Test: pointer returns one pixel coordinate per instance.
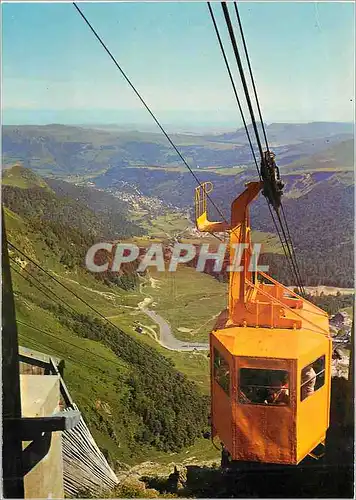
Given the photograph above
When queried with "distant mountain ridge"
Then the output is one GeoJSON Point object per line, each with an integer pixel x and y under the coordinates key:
{"type": "Point", "coordinates": [72, 152]}
{"type": "Point", "coordinates": [287, 133]}
{"type": "Point", "coordinates": [339, 156]}
{"type": "Point", "coordinates": [318, 173]}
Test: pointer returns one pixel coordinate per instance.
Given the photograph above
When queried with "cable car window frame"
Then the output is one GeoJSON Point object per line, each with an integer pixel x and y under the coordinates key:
{"type": "Point", "coordinates": [224, 364]}
{"type": "Point", "coordinates": [320, 374]}
{"type": "Point", "coordinates": [243, 399]}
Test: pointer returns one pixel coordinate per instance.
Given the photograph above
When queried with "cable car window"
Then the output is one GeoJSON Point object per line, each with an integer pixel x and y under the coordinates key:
{"type": "Point", "coordinates": [264, 387]}
{"type": "Point", "coordinates": [312, 378]}
{"type": "Point", "coordinates": [221, 371]}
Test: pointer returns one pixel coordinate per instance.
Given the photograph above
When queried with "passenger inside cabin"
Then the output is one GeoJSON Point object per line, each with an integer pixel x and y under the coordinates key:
{"type": "Point", "coordinates": [253, 394]}
{"type": "Point", "coordinates": [263, 386]}
{"type": "Point", "coordinates": [279, 392]}
{"type": "Point", "coordinates": [308, 381]}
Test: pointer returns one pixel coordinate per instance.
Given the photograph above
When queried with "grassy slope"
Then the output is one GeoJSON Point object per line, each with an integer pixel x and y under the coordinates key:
{"type": "Point", "coordinates": [18, 177]}
{"type": "Point", "coordinates": [164, 225]}
{"type": "Point", "coordinates": [94, 382]}
{"type": "Point", "coordinates": [89, 377]}
{"type": "Point", "coordinates": [96, 377]}
{"type": "Point", "coordinates": [338, 158]}
{"type": "Point", "coordinates": [348, 310]}
{"type": "Point", "coordinates": [188, 300]}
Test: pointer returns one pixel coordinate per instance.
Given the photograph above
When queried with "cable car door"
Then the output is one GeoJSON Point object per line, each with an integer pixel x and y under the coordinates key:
{"type": "Point", "coordinates": [264, 410]}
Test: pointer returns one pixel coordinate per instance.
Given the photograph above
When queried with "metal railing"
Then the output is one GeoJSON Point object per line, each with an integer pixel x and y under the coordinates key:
{"type": "Point", "coordinates": [201, 193]}
{"type": "Point", "coordinates": [275, 301]}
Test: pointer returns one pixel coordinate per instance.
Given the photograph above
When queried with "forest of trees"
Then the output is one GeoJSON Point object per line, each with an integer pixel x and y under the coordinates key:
{"type": "Point", "coordinates": [170, 408]}
{"type": "Point", "coordinates": [72, 207]}
{"type": "Point", "coordinates": [157, 405]}
{"type": "Point", "coordinates": [68, 226]}
{"type": "Point", "coordinates": [111, 212]}
{"type": "Point", "coordinates": [332, 303]}
{"type": "Point", "coordinates": [325, 270]}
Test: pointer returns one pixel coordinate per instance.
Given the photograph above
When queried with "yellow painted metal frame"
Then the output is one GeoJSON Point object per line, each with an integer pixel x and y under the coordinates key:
{"type": "Point", "coordinates": [266, 326]}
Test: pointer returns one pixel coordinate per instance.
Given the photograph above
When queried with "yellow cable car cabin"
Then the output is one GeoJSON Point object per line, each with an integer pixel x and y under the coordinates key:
{"type": "Point", "coordinates": [270, 357]}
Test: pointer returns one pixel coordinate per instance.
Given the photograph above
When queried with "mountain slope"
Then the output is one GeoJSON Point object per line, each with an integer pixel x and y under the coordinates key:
{"type": "Point", "coordinates": [17, 176]}
{"type": "Point", "coordinates": [339, 157]}
{"type": "Point", "coordinates": [66, 208]}
{"type": "Point", "coordinates": [317, 180]}
{"type": "Point", "coordinates": [289, 133]}
{"type": "Point", "coordinates": [134, 400]}
{"type": "Point", "coordinates": [113, 215]}
{"type": "Point", "coordinates": [321, 223]}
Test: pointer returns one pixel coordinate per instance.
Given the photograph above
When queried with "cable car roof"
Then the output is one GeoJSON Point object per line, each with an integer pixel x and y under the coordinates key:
{"type": "Point", "coordinates": [271, 343]}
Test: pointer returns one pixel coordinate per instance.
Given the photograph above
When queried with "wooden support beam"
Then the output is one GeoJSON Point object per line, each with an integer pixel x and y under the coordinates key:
{"type": "Point", "coordinates": [30, 428]}
{"type": "Point", "coordinates": [41, 360]}
{"type": "Point", "coordinates": [63, 388]}
{"type": "Point", "coordinates": [36, 358]}
{"type": "Point", "coordinates": [13, 486]}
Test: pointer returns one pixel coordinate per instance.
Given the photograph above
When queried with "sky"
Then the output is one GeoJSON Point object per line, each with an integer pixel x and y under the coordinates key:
{"type": "Point", "coordinates": [55, 71]}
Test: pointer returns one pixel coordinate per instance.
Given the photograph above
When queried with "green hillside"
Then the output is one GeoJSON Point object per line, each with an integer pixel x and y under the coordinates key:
{"type": "Point", "coordinates": [140, 400]}
{"type": "Point", "coordinates": [115, 378]}
{"type": "Point", "coordinates": [189, 300]}
{"type": "Point", "coordinates": [339, 157]}
{"type": "Point", "coordinates": [65, 211]}
{"type": "Point", "coordinates": [17, 176]}
{"type": "Point", "coordinates": [114, 373]}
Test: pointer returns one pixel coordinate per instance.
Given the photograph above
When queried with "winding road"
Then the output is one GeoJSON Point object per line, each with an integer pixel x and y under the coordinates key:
{"type": "Point", "coordinates": [166, 337]}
